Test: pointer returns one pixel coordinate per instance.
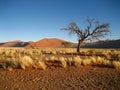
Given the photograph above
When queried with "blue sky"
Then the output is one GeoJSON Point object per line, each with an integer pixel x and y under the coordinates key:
{"type": "Point", "coordinates": [32, 20]}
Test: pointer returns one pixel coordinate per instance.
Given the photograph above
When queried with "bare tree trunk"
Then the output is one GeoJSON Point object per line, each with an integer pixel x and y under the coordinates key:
{"type": "Point", "coordinates": [78, 47]}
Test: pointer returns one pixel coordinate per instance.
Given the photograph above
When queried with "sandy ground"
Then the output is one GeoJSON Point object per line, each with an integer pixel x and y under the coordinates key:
{"type": "Point", "coordinates": [70, 78]}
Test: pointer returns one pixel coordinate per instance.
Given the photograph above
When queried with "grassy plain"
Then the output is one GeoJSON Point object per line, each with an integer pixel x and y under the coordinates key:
{"type": "Point", "coordinates": [64, 57]}
{"type": "Point", "coordinates": [59, 69]}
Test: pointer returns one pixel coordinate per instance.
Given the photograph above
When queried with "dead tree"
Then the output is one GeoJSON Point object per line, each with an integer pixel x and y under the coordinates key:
{"type": "Point", "coordinates": [93, 31]}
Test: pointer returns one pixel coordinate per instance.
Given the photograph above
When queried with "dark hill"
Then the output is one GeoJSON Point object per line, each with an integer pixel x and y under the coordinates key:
{"type": "Point", "coordinates": [103, 44]}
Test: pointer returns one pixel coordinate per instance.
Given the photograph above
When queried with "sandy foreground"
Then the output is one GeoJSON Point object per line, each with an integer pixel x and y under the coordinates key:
{"type": "Point", "coordinates": [69, 78]}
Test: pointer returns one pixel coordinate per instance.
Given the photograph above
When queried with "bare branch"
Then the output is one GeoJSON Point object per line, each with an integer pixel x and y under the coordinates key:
{"type": "Point", "coordinates": [100, 30]}
{"type": "Point", "coordinates": [74, 29]}
{"type": "Point", "coordinates": [93, 31]}
{"type": "Point", "coordinates": [88, 27]}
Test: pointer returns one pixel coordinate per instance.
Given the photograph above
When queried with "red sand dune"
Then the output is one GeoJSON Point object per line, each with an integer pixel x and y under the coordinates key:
{"type": "Point", "coordinates": [47, 42]}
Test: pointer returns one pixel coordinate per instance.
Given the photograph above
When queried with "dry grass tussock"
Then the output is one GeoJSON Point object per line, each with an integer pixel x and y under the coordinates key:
{"type": "Point", "coordinates": [86, 62]}
{"type": "Point", "coordinates": [63, 62]}
{"type": "Point", "coordinates": [40, 65]}
{"type": "Point", "coordinates": [116, 64]}
{"type": "Point", "coordinates": [25, 62]}
{"type": "Point", "coordinates": [77, 61]}
{"type": "Point", "coordinates": [37, 58]}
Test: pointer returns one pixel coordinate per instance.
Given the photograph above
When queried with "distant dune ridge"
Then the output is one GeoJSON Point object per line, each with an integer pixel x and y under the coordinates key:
{"type": "Point", "coordinates": [16, 43]}
{"type": "Point", "coordinates": [47, 42]}
{"type": "Point", "coordinates": [55, 42]}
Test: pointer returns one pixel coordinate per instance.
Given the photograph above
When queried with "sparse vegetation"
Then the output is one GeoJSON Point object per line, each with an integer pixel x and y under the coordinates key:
{"type": "Point", "coordinates": [37, 58]}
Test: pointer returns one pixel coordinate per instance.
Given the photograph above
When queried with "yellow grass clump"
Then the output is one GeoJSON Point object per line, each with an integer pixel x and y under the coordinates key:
{"type": "Point", "coordinates": [26, 61]}
{"type": "Point", "coordinates": [100, 60]}
{"type": "Point", "coordinates": [63, 62]}
{"type": "Point", "coordinates": [40, 65]}
{"type": "Point", "coordinates": [52, 58]}
{"type": "Point", "coordinates": [93, 60]}
{"type": "Point", "coordinates": [86, 62]}
{"type": "Point", "coordinates": [13, 63]}
{"type": "Point", "coordinates": [116, 64]}
{"type": "Point", "coordinates": [107, 63]}
{"type": "Point", "coordinates": [69, 61]}
{"type": "Point", "coordinates": [77, 61]}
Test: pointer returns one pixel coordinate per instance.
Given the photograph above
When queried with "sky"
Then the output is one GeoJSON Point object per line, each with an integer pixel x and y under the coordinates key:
{"type": "Point", "coordinates": [32, 20]}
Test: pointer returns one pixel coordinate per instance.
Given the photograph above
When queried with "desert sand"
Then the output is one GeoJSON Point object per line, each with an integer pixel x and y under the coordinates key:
{"type": "Point", "coordinates": [58, 78]}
